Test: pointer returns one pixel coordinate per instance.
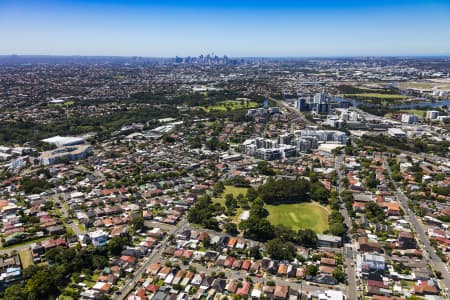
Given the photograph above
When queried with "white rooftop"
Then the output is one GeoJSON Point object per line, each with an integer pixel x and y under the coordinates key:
{"type": "Point", "coordinates": [64, 140]}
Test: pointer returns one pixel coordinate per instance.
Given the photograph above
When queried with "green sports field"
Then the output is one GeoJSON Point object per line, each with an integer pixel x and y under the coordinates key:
{"type": "Point", "coordinates": [231, 105]}
{"type": "Point", "coordinates": [376, 96]}
{"type": "Point", "coordinates": [300, 216]}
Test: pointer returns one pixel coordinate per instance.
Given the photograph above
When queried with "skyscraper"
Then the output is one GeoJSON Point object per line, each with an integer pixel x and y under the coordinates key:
{"type": "Point", "coordinates": [301, 104]}
{"type": "Point", "coordinates": [319, 98]}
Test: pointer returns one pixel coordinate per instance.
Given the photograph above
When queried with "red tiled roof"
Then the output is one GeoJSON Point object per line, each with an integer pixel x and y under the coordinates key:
{"type": "Point", "coordinates": [128, 259]}
{"type": "Point", "coordinates": [152, 288]}
{"type": "Point", "coordinates": [376, 283]}
{"type": "Point", "coordinates": [243, 291]}
{"type": "Point", "coordinates": [442, 240]}
{"type": "Point", "coordinates": [425, 288]}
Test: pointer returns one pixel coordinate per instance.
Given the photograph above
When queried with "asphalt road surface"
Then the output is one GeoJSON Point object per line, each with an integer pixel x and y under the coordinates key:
{"type": "Point", "coordinates": [419, 228]}
{"type": "Point", "coordinates": [153, 257]}
{"type": "Point", "coordinates": [349, 261]}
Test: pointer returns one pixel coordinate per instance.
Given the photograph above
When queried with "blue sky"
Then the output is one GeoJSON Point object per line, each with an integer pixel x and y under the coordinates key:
{"type": "Point", "coordinates": [235, 28]}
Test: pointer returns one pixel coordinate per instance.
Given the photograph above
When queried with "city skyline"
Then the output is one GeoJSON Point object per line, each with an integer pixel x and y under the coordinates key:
{"type": "Point", "coordinates": [244, 29]}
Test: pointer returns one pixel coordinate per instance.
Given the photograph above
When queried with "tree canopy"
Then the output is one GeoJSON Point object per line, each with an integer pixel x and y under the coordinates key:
{"type": "Point", "coordinates": [280, 249]}
{"type": "Point", "coordinates": [204, 211]}
{"type": "Point", "coordinates": [284, 191]}
{"type": "Point", "coordinates": [307, 238]}
{"type": "Point", "coordinates": [47, 282]}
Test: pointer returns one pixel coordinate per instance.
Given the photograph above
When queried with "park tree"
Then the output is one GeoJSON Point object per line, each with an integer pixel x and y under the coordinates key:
{"type": "Point", "coordinates": [211, 223]}
{"type": "Point", "coordinates": [257, 228]}
{"type": "Point", "coordinates": [252, 194]}
{"type": "Point", "coordinates": [337, 229]}
{"type": "Point", "coordinates": [204, 211]}
{"type": "Point", "coordinates": [242, 201]}
{"type": "Point", "coordinates": [319, 193]}
{"type": "Point", "coordinates": [258, 210]}
{"type": "Point", "coordinates": [218, 188]}
{"type": "Point", "coordinates": [280, 249]}
{"type": "Point", "coordinates": [230, 202]}
{"type": "Point", "coordinates": [336, 223]}
{"type": "Point", "coordinates": [307, 238]}
{"type": "Point", "coordinates": [44, 284]}
{"type": "Point", "coordinates": [231, 228]}
{"type": "Point", "coordinates": [284, 191]}
{"type": "Point", "coordinates": [285, 233]}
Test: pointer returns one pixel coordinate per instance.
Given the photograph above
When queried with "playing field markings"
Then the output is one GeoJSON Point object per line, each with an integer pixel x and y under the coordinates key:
{"type": "Point", "coordinates": [293, 217]}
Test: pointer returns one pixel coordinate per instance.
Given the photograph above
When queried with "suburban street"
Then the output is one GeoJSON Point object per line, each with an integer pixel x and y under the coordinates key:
{"type": "Point", "coordinates": [306, 287]}
{"type": "Point", "coordinates": [349, 249]}
{"type": "Point", "coordinates": [64, 214]}
{"type": "Point", "coordinates": [420, 230]}
{"type": "Point", "coordinates": [153, 257]}
{"type": "Point", "coordinates": [61, 200]}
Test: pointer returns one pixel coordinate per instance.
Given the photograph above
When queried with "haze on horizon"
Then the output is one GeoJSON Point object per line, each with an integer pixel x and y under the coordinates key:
{"type": "Point", "coordinates": [235, 28]}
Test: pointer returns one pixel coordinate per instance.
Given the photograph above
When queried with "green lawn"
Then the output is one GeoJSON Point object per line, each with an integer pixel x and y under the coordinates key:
{"type": "Point", "coordinates": [66, 104]}
{"type": "Point", "coordinates": [231, 105]}
{"type": "Point", "coordinates": [90, 280]}
{"type": "Point", "coordinates": [426, 85]}
{"type": "Point", "coordinates": [407, 284]}
{"type": "Point", "coordinates": [26, 258]}
{"type": "Point", "coordinates": [81, 227]}
{"type": "Point", "coordinates": [300, 216]}
{"type": "Point", "coordinates": [235, 191]}
{"type": "Point", "coordinates": [56, 212]}
{"type": "Point", "coordinates": [25, 243]}
{"type": "Point", "coordinates": [445, 86]}
{"type": "Point", "coordinates": [417, 85]}
{"type": "Point", "coordinates": [69, 229]}
{"type": "Point", "coordinates": [419, 113]}
{"type": "Point", "coordinates": [376, 96]}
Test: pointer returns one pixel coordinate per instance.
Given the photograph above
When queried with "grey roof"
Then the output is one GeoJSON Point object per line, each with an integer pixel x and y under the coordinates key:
{"type": "Point", "coordinates": [329, 238]}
